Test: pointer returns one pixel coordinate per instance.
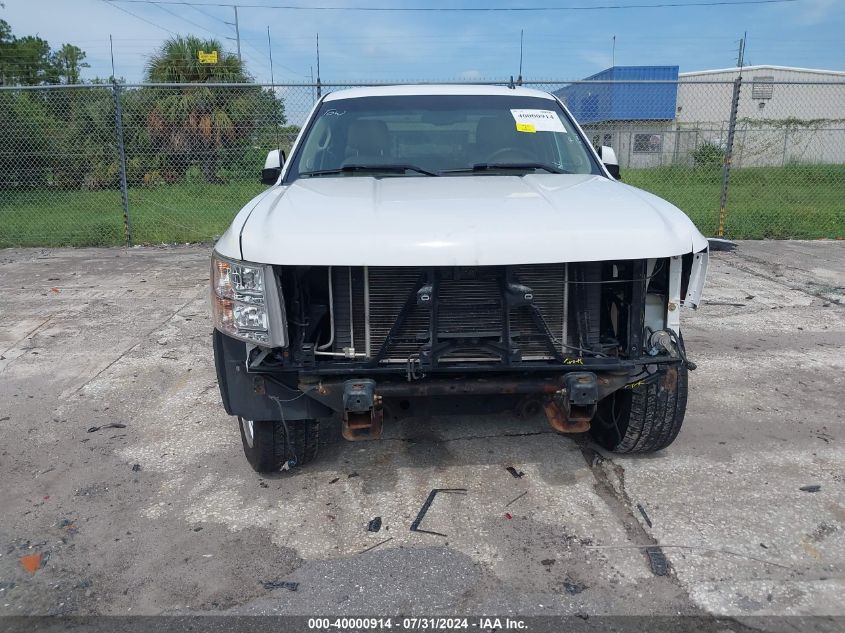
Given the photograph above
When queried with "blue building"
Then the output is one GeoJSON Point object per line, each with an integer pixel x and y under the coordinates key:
{"type": "Point", "coordinates": [630, 108]}
{"type": "Point", "coordinates": [603, 99]}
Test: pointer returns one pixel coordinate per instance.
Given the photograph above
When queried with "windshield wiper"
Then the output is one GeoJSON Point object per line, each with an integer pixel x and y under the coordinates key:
{"type": "Point", "coordinates": [400, 168]}
{"type": "Point", "coordinates": [517, 166]}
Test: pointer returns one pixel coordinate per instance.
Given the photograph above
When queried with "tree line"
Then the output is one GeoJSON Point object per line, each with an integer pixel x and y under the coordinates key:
{"type": "Point", "coordinates": [29, 60]}
{"type": "Point", "coordinates": [67, 138]}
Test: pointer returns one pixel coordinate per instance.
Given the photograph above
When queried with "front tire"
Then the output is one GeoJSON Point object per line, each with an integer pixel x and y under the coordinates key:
{"type": "Point", "coordinates": [646, 418]}
{"type": "Point", "coordinates": [267, 446]}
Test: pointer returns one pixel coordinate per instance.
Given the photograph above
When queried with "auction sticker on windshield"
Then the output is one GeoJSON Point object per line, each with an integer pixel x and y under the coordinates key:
{"type": "Point", "coordinates": [537, 121]}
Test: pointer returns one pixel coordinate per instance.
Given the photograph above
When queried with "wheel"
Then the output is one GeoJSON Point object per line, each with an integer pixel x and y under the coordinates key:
{"type": "Point", "coordinates": [646, 418]}
{"type": "Point", "coordinates": [265, 444]}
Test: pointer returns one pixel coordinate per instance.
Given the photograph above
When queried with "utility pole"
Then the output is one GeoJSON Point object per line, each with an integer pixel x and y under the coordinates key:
{"type": "Point", "coordinates": [613, 53]}
{"type": "Point", "coordinates": [729, 148]}
{"type": "Point", "coordinates": [519, 79]}
{"type": "Point", "coordinates": [236, 24]}
{"type": "Point", "coordinates": [238, 32]}
{"type": "Point", "coordinates": [319, 88]}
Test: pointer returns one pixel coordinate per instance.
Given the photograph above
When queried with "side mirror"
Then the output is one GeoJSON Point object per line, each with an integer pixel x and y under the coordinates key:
{"type": "Point", "coordinates": [609, 160]}
{"type": "Point", "coordinates": [272, 167]}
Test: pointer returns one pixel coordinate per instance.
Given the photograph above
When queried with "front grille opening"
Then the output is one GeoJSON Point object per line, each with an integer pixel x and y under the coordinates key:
{"type": "Point", "coordinates": [373, 315]}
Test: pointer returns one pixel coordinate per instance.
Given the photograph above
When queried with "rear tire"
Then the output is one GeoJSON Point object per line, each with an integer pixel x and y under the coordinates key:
{"type": "Point", "coordinates": [646, 418]}
{"type": "Point", "coordinates": [267, 447]}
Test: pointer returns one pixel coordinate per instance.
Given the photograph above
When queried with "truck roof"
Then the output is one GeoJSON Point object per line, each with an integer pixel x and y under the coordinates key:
{"type": "Point", "coordinates": [436, 89]}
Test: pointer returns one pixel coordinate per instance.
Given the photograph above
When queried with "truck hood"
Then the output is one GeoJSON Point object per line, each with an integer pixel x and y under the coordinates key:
{"type": "Point", "coordinates": [458, 221]}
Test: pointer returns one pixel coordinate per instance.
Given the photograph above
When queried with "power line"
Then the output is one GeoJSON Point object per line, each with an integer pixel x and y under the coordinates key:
{"type": "Point", "coordinates": [660, 5]}
{"type": "Point", "coordinates": [263, 63]}
{"type": "Point", "coordinates": [163, 28]}
{"type": "Point", "coordinates": [259, 60]}
{"type": "Point", "coordinates": [206, 14]}
{"type": "Point", "coordinates": [176, 15]}
{"type": "Point", "coordinates": [134, 15]}
{"type": "Point", "coordinates": [162, 6]}
{"type": "Point", "coordinates": [491, 37]}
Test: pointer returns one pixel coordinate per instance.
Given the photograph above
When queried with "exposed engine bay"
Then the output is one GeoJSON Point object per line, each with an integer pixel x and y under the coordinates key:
{"type": "Point", "coordinates": [571, 332]}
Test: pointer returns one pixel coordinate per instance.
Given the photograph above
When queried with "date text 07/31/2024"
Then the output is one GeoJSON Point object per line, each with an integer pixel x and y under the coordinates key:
{"type": "Point", "coordinates": [416, 624]}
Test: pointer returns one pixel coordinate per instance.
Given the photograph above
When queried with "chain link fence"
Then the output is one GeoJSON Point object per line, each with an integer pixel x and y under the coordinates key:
{"type": "Point", "coordinates": [104, 164]}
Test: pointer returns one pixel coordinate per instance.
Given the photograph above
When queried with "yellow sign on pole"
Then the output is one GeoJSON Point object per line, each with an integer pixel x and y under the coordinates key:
{"type": "Point", "coordinates": [207, 58]}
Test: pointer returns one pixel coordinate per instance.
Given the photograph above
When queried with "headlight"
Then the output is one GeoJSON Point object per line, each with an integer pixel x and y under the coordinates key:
{"type": "Point", "coordinates": [246, 302]}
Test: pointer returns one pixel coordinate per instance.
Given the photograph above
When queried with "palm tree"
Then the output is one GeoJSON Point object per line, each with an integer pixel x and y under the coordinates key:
{"type": "Point", "coordinates": [197, 123]}
{"type": "Point", "coordinates": [177, 61]}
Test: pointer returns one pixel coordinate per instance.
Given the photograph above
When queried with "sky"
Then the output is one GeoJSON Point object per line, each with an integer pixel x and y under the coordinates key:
{"type": "Point", "coordinates": [430, 46]}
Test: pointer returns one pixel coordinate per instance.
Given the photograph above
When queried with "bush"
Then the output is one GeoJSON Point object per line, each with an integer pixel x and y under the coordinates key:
{"type": "Point", "coordinates": [25, 126]}
{"type": "Point", "coordinates": [708, 155]}
{"type": "Point", "coordinates": [194, 176]}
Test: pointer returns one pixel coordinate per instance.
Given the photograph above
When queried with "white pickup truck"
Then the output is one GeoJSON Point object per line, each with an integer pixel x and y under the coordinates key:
{"type": "Point", "coordinates": [436, 242]}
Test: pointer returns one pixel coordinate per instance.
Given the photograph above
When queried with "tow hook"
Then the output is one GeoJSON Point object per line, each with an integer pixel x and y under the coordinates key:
{"type": "Point", "coordinates": [667, 341]}
{"type": "Point", "coordinates": [570, 409]}
{"type": "Point", "coordinates": [362, 410]}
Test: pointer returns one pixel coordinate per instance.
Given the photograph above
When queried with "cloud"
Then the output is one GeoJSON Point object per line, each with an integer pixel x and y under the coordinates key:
{"type": "Point", "coordinates": [394, 46]}
{"type": "Point", "coordinates": [599, 61]}
{"type": "Point", "coordinates": [812, 12]}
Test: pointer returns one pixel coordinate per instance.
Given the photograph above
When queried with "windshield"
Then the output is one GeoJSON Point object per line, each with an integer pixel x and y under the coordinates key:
{"type": "Point", "coordinates": [442, 135]}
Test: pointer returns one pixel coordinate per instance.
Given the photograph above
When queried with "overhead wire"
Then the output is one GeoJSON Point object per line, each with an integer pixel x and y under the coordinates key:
{"type": "Point", "coordinates": [208, 15]}
{"type": "Point", "coordinates": [180, 17]}
{"type": "Point", "coordinates": [176, 15]}
{"type": "Point", "coordinates": [256, 60]}
{"type": "Point", "coordinates": [135, 15]}
{"type": "Point", "coordinates": [477, 9]}
{"type": "Point", "coordinates": [467, 40]}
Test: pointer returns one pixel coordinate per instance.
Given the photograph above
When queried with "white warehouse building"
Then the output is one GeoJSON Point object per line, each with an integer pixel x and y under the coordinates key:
{"type": "Point", "coordinates": [785, 114]}
{"type": "Point", "coordinates": [654, 116]}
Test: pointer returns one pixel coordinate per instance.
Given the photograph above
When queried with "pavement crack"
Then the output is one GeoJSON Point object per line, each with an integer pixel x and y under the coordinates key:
{"type": "Point", "coordinates": [142, 340]}
{"type": "Point", "coordinates": [18, 343]}
{"type": "Point", "coordinates": [610, 487]}
{"type": "Point", "coordinates": [791, 286]}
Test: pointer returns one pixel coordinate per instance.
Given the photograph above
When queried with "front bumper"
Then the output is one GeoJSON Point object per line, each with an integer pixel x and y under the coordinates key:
{"type": "Point", "coordinates": [258, 395]}
{"type": "Point", "coordinates": [356, 391]}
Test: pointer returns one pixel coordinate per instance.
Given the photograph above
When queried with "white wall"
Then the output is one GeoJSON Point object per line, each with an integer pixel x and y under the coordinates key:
{"type": "Point", "coordinates": [803, 122]}
{"type": "Point", "coordinates": [709, 102]}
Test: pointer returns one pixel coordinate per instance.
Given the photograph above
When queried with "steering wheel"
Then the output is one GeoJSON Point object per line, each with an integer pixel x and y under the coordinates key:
{"type": "Point", "coordinates": [499, 154]}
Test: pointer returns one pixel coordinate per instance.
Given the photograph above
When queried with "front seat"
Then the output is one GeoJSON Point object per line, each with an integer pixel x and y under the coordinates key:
{"type": "Point", "coordinates": [368, 142]}
{"type": "Point", "coordinates": [494, 133]}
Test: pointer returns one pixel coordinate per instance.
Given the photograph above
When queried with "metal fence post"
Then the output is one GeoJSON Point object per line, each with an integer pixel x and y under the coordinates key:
{"type": "Point", "coordinates": [726, 169]}
{"type": "Point", "coordinates": [121, 151]}
{"type": "Point", "coordinates": [785, 141]}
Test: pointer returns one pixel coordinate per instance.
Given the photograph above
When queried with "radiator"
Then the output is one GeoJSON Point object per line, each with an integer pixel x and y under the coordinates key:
{"type": "Point", "coordinates": [369, 301]}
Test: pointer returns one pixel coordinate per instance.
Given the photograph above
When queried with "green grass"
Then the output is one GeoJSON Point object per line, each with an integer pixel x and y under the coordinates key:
{"type": "Point", "coordinates": [800, 201]}
{"type": "Point", "coordinates": [797, 201]}
{"type": "Point", "coordinates": [165, 214]}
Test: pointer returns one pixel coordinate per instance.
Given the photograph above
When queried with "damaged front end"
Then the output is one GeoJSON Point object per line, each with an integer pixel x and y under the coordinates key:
{"type": "Point", "coordinates": [561, 336]}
